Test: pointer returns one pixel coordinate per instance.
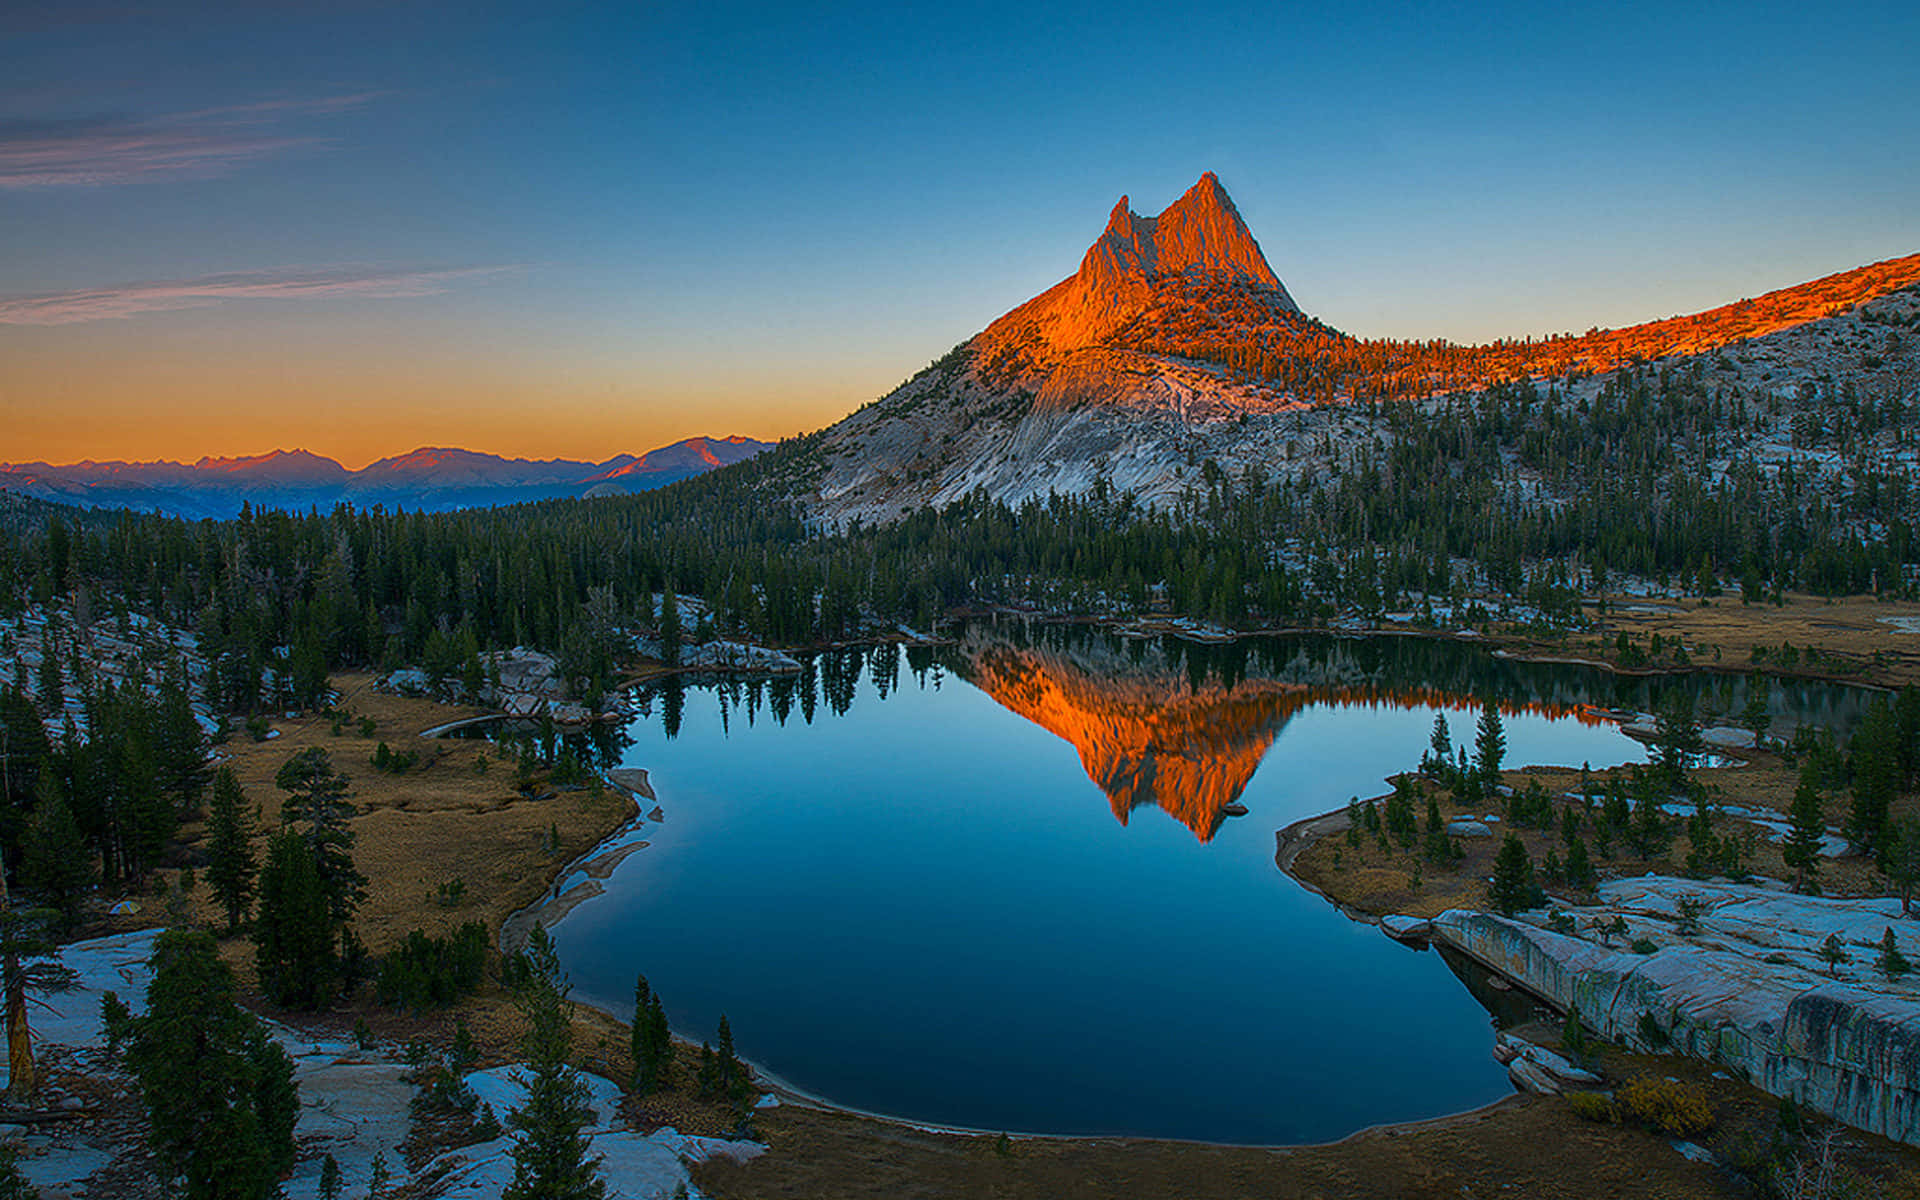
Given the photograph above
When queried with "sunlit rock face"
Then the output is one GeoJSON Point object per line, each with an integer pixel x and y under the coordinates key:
{"type": "Point", "coordinates": [1199, 242]}
{"type": "Point", "coordinates": [1146, 736]}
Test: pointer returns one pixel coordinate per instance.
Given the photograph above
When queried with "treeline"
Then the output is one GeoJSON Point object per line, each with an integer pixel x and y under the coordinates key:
{"type": "Point", "coordinates": [1516, 490]}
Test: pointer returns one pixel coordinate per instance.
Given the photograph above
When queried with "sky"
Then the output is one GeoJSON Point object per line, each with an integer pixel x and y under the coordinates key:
{"type": "Point", "coordinates": [573, 230]}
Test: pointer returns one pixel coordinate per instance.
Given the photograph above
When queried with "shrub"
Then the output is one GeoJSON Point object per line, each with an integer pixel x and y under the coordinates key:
{"type": "Point", "coordinates": [1643, 946]}
{"type": "Point", "coordinates": [1672, 1107]}
{"type": "Point", "coordinates": [1594, 1106]}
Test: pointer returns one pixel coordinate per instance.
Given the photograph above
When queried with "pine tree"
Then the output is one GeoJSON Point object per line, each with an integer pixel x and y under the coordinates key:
{"type": "Point", "coordinates": [1807, 825]}
{"type": "Point", "coordinates": [330, 1181]}
{"type": "Point", "coordinates": [295, 937]}
{"type": "Point", "coordinates": [661, 1037]}
{"type": "Point", "coordinates": [54, 859]}
{"type": "Point", "coordinates": [550, 1156]}
{"type": "Point", "coordinates": [1490, 746]}
{"type": "Point", "coordinates": [731, 1077]}
{"type": "Point", "coordinates": [1677, 737]}
{"type": "Point", "coordinates": [1891, 962]}
{"type": "Point", "coordinates": [231, 867]}
{"type": "Point", "coordinates": [1439, 757]}
{"type": "Point", "coordinates": [317, 795]}
{"type": "Point", "coordinates": [1875, 761]}
{"type": "Point", "coordinates": [1833, 954]}
{"type": "Point", "coordinates": [1580, 872]}
{"type": "Point", "coordinates": [1513, 887]}
{"type": "Point", "coordinates": [1902, 861]}
{"type": "Point", "coordinates": [220, 1097]}
{"type": "Point", "coordinates": [646, 1067]}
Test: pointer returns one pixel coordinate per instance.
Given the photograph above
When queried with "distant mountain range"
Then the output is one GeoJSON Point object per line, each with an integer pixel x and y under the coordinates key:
{"type": "Point", "coordinates": [429, 479]}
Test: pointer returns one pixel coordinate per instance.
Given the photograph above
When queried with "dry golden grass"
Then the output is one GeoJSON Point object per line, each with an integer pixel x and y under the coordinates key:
{"type": "Point", "coordinates": [1851, 634]}
{"type": "Point", "coordinates": [442, 820]}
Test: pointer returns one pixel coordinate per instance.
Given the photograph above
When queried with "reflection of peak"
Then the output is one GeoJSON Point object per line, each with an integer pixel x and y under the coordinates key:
{"type": "Point", "coordinates": [1143, 737]}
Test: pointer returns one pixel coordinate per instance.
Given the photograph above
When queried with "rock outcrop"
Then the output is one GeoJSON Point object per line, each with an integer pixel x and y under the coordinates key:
{"type": "Point", "coordinates": [1737, 977]}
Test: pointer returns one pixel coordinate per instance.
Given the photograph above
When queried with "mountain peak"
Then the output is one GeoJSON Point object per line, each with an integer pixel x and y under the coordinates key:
{"type": "Point", "coordinates": [1200, 232]}
{"type": "Point", "coordinates": [1138, 262]}
{"type": "Point", "coordinates": [1200, 236]}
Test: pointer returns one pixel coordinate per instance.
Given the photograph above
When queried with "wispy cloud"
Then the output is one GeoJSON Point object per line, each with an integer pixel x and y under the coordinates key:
{"type": "Point", "coordinates": [131, 299]}
{"type": "Point", "coordinates": [98, 150]}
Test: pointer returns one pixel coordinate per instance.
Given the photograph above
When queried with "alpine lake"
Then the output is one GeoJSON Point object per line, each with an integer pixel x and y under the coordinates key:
{"type": "Point", "coordinates": [1025, 880]}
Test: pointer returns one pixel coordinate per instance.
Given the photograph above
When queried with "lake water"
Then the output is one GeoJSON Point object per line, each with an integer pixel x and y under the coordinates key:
{"type": "Point", "coordinates": [991, 885]}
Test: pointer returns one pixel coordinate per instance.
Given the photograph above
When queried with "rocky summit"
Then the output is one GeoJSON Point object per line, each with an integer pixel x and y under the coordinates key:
{"type": "Point", "coordinates": [1175, 344]}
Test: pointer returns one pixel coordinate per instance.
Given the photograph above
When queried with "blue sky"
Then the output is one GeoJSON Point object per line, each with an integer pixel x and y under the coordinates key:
{"type": "Point", "coordinates": [580, 229]}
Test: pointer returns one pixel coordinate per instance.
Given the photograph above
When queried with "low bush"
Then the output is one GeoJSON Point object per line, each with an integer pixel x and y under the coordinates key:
{"type": "Point", "coordinates": [1594, 1106]}
{"type": "Point", "coordinates": [1671, 1106]}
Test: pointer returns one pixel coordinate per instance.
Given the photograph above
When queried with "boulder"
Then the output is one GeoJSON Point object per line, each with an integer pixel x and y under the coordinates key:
{"type": "Point", "coordinates": [1406, 929]}
{"type": "Point", "coordinates": [1474, 829]}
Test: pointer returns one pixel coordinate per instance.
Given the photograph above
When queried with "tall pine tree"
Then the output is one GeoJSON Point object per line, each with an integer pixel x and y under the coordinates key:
{"type": "Point", "coordinates": [231, 868]}
{"type": "Point", "coordinates": [551, 1154]}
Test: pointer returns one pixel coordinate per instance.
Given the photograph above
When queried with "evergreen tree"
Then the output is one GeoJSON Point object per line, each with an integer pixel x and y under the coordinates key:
{"type": "Point", "coordinates": [1903, 861]}
{"type": "Point", "coordinates": [1756, 716]}
{"type": "Point", "coordinates": [1677, 737]}
{"type": "Point", "coordinates": [1490, 746]}
{"type": "Point", "coordinates": [54, 859]}
{"type": "Point", "coordinates": [220, 1095]}
{"type": "Point", "coordinates": [732, 1080]}
{"type": "Point", "coordinates": [1513, 887]}
{"type": "Point", "coordinates": [1580, 873]}
{"type": "Point", "coordinates": [646, 1060]}
{"type": "Point", "coordinates": [1874, 756]}
{"type": "Point", "coordinates": [295, 936]}
{"type": "Point", "coordinates": [179, 744]}
{"type": "Point", "coordinates": [550, 1155]}
{"type": "Point", "coordinates": [661, 1037]}
{"type": "Point", "coordinates": [24, 751]}
{"type": "Point", "coordinates": [1401, 822]}
{"type": "Point", "coordinates": [652, 1041]}
{"type": "Point", "coordinates": [1439, 757]}
{"type": "Point", "coordinates": [1437, 847]}
{"type": "Point", "coordinates": [317, 796]}
{"type": "Point", "coordinates": [231, 867]}
{"type": "Point", "coordinates": [1807, 825]}
{"type": "Point", "coordinates": [1891, 962]}
{"type": "Point", "coordinates": [1833, 954]}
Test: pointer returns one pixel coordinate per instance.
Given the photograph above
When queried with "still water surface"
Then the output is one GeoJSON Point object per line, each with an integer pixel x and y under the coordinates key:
{"type": "Point", "coordinates": [992, 885]}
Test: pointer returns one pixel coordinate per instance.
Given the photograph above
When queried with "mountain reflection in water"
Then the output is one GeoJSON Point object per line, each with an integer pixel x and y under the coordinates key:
{"type": "Point", "coordinates": [1151, 732]}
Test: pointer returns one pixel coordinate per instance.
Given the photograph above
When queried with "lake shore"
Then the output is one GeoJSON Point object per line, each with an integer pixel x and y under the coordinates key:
{"type": "Point", "coordinates": [820, 1148]}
